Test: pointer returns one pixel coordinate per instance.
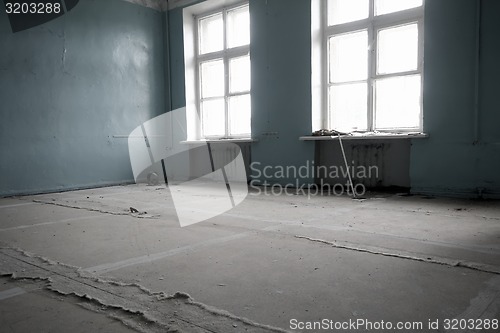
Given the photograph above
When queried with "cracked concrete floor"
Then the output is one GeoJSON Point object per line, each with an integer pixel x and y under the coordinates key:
{"type": "Point", "coordinates": [81, 261]}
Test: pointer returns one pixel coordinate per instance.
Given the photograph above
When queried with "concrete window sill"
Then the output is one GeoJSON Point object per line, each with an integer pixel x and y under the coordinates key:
{"type": "Point", "coordinates": [235, 140]}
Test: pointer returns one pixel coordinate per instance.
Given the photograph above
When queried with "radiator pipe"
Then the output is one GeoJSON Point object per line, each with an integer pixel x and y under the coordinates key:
{"type": "Point", "coordinates": [167, 80]}
{"type": "Point", "coordinates": [476, 138]}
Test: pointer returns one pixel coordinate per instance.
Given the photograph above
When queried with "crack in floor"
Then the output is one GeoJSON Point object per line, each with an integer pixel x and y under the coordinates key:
{"type": "Point", "coordinates": [133, 304]}
{"type": "Point", "coordinates": [407, 255]}
{"type": "Point", "coordinates": [136, 215]}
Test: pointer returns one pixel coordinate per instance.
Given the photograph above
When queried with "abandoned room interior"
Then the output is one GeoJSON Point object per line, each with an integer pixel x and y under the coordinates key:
{"type": "Point", "coordinates": [249, 166]}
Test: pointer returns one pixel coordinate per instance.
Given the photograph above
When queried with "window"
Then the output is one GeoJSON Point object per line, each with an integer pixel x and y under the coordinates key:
{"type": "Point", "coordinates": [223, 72]}
{"type": "Point", "coordinates": [372, 53]}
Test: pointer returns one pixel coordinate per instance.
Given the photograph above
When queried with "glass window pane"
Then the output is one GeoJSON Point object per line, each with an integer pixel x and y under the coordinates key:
{"type": "Point", "coordinates": [211, 34]}
{"type": "Point", "coordinates": [240, 115]}
{"type": "Point", "coordinates": [239, 74]}
{"type": "Point", "coordinates": [212, 78]}
{"type": "Point", "coordinates": [348, 107]}
{"type": "Point", "coordinates": [397, 49]}
{"type": "Point", "coordinates": [213, 117]}
{"type": "Point", "coordinates": [397, 102]}
{"type": "Point", "coordinates": [391, 6]}
{"type": "Point", "coordinates": [349, 57]}
{"type": "Point", "coordinates": [238, 27]}
{"type": "Point", "coordinates": [343, 11]}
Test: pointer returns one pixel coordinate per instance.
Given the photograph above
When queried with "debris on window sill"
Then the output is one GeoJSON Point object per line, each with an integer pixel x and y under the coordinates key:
{"type": "Point", "coordinates": [324, 134]}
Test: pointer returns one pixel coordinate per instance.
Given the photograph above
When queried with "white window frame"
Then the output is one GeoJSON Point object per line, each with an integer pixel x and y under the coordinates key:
{"type": "Point", "coordinates": [321, 33]}
{"type": "Point", "coordinates": [225, 54]}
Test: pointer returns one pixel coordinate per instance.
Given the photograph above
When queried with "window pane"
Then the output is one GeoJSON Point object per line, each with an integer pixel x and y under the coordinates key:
{"type": "Point", "coordinates": [213, 117]}
{"type": "Point", "coordinates": [238, 27]}
{"type": "Point", "coordinates": [343, 11]}
{"type": "Point", "coordinates": [391, 6]}
{"type": "Point", "coordinates": [348, 106]}
{"type": "Point", "coordinates": [211, 34]}
{"type": "Point", "coordinates": [397, 102]}
{"type": "Point", "coordinates": [398, 49]}
{"type": "Point", "coordinates": [349, 57]}
{"type": "Point", "coordinates": [212, 78]}
{"type": "Point", "coordinates": [239, 74]}
{"type": "Point", "coordinates": [239, 115]}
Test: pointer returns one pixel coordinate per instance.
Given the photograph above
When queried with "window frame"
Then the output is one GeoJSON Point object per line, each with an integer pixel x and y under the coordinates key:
{"type": "Point", "coordinates": [373, 24]}
{"type": "Point", "coordinates": [226, 54]}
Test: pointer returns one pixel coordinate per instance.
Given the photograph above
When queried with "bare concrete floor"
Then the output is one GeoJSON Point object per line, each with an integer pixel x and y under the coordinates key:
{"type": "Point", "coordinates": [82, 262]}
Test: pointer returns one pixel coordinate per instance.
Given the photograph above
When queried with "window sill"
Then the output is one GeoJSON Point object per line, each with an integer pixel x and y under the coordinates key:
{"type": "Point", "coordinates": [368, 136]}
{"type": "Point", "coordinates": [235, 140]}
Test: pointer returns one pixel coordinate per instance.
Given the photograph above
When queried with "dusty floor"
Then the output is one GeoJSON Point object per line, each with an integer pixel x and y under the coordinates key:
{"type": "Point", "coordinates": [82, 262]}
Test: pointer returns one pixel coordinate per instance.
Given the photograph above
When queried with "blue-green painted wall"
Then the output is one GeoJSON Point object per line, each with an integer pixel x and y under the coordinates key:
{"type": "Point", "coordinates": [450, 162]}
{"type": "Point", "coordinates": [280, 52]}
{"type": "Point", "coordinates": [176, 54]}
{"type": "Point", "coordinates": [69, 86]}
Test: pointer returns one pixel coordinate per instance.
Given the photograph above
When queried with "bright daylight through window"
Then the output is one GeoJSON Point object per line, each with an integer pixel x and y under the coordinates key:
{"type": "Point", "coordinates": [223, 63]}
{"type": "Point", "coordinates": [374, 58]}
